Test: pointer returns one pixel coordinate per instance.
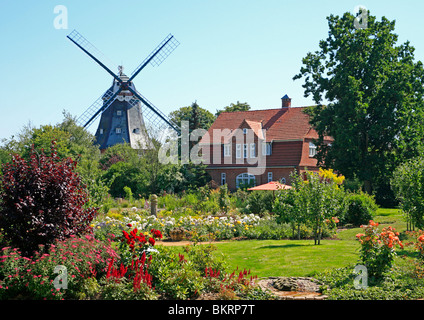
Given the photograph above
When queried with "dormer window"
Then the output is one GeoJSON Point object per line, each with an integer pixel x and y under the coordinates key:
{"type": "Point", "coordinates": [266, 148]}
{"type": "Point", "coordinates": [312, 149]}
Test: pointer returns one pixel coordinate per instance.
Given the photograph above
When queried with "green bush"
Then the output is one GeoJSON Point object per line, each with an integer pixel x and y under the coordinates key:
{"type": "Point", "coordinates": [338, 284]}
{"type": "Point", "coordinates": [259, 202]}
{"type": "Point", "coordinates": [408, 186]}
{"type": "Point", "coordinates": [359, 209]}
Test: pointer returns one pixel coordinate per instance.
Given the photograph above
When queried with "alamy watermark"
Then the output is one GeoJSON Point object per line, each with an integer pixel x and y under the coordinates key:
{"type": "Point", "coordinates": [61, 19]}
{"type": "Point", "coordinates": [361, 280]}
{"type": "Point", "coordinates": [61, 281]}
{"type": "Point", "coordinates": [361, 20]}
{"type": "Point", "coordinates": [219, 147]}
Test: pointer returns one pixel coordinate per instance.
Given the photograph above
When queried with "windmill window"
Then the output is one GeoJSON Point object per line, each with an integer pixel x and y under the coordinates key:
{"type": "Point", "coordinates": [119, 112]}
{"type": "Point", "coordinates": [101, 131]}
{"type": "Point", "coordinates": [118, 130]}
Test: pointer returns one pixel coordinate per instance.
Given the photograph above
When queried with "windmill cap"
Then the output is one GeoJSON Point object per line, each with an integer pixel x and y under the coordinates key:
{"type": "Point", "coordinates": [285, 97]}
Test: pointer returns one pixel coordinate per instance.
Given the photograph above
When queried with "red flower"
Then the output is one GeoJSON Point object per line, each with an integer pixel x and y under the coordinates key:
{"type": "Point", "coordinates": [152, 241]}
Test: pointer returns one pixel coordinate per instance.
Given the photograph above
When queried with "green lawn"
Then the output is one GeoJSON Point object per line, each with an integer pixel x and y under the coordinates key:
{"type": "Point", "coordinates": [289, 257]}
{"type": "Point", "coordinates": [301, 257]}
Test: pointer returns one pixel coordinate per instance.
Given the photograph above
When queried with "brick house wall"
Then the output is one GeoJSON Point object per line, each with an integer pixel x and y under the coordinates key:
{"type": "Point", "coordinates": [286, 129]}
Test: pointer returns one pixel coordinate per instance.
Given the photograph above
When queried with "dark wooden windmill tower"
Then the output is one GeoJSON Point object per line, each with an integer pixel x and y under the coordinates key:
{"type": "Point", "coordinates": [125, 115]}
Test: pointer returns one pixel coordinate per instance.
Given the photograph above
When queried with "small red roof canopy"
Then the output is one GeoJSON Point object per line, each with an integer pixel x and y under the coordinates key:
{"type": "Point", "coordinates": [273, 185]}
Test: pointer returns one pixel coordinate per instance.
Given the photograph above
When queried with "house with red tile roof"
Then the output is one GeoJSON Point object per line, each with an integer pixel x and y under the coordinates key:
{"type": "Point", "coordinates": [258, 146]}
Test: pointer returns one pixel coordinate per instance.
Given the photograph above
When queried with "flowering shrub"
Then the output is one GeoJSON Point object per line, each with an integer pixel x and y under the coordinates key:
{"type": "Point", "coordinates": [133, 244]}
{"type": "Point", "coordinates": [84, 258]}
{"type": "Point", "coordinates": [378, 249]}
{"type": "Point", "coordinates": [42, 200]}
{"type": "Point", "coordinates": [418, 241]}
{"type": "Point", "coordinates": [229, 284]}
{"type": "Point", "coordinates": [221, 228]}
{"type": "Point", "coordinates": [136, 272]}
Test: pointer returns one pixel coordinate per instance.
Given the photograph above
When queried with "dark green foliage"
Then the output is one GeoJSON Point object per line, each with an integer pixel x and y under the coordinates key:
{"type": "Point", "coordinates": [408, 186]}
{"type": "Point", "coordinates": [195, 115]}
{"type": "Point", "coordinates": [375, 110]}
{"type": "Point", "coordinates": [259, 202]}
{"type": "Point", "coordinates": [360, 208]}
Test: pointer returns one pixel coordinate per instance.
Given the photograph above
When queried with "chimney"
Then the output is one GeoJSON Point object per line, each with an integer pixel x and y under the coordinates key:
{"type": "Point", "coordinates": [286, 101]}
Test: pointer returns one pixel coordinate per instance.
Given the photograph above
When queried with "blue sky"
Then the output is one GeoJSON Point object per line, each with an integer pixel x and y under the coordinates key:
{"type": "Point", "coordinates": [231, 50]}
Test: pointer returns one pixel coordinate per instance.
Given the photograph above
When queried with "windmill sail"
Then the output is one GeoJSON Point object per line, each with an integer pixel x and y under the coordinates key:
{"type": "Point", "coordinates": [94, 111]}
{"type": "Point", "coordinates": [91, 51]}
{"type": "Point", "coordinates": [125, 115]}
{"type": "Point", "coordinates": [158, 55]}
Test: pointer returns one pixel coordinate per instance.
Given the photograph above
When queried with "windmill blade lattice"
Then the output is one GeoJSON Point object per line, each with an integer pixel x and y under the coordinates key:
{"type": "Point", "coordinates": [94, 111]}
{"type": "Point", "coordinates": [158, 55]}
{"type": "Point", "coordinates": [92, 51]}
{"type": "Point", "coordinates": [152, 115]}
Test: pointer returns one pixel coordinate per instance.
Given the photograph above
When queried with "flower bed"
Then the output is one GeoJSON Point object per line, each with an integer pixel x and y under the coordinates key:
{"type": "Point", "coordinates": [135, 269]}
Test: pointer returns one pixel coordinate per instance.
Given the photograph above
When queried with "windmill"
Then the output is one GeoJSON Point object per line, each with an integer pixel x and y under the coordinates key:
{"type": "Point", "coordinates": [122, 109]}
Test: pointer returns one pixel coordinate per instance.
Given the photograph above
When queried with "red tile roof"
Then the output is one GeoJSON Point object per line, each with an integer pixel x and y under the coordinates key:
{"type": "Point", "coordinates": [279, 124]}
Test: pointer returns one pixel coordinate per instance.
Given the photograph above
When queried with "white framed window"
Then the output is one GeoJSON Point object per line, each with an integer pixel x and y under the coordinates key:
{"type": "Point", "coordinates": [266, 148]}
{"type": "Point", "coordinates": [245, 179]}
{"type": "Point", "coordinates": [119, 112]}
{"type": "Point", "coordinates": [253, 150]}
{"type": "Point", "coordinates": [312, 149]}
{"type": "Point", "coordinates": [283, 180]}
{"type": "Point", "coordinates": [227, 150]}
{"type": "Point", "coordinates": [244, 130]}
{"type": "Point", "coordinates": [269, 176]}
{"type": "Point", "coordinates": [101, 131]}
{"type": "Point", "coordinates": [245, 150]}
{"type": "Point", "coordinates": [238, 150]}
{"type": "Point", "coordinates": [223, 178]}
{"type": "Point", "coordinates": [118, 130]}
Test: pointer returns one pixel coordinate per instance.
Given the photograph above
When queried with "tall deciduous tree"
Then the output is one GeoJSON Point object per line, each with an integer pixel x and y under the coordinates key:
{"type": "Point", "coordinates": [374, 92]}
{"type": "Point", "coordinates": [233, 107]}
{"type": "Point", "coordinates": [198, 117]}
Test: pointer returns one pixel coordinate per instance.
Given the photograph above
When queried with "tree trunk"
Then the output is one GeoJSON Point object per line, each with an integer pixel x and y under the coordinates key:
{"type": "Point", "coordinates": [367, 186]}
